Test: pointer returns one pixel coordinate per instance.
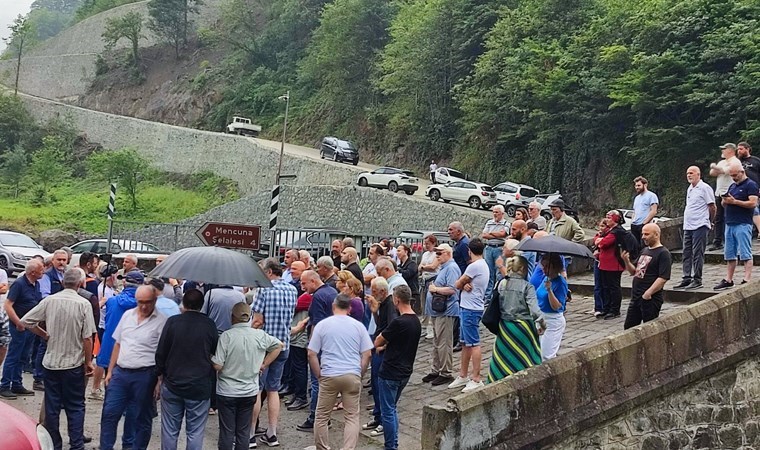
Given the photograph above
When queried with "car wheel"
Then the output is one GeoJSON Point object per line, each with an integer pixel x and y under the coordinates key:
{"type": "Point", "coordinates": [435, 195]}
{"type": "Point", "coordinates": [547, 216]}
{"type": "Point", "coordinates": [362, 182]}
{"type": "Point", "coordinates": [335, 156]}
{"type": "Point", "coordinates": [321, 154]}
{"type": "Point", "coordinates": [356, 162]}
{"type": "Point", "coordinates": [409, 192]}
{"type": "Point", "coordinates": [3, 262]}
{"type": "Point", "coordinates": [446, 201]}
{"type": "Point", "coordinates": [486, 207]}
{"type": "Point", "coordinates": [474, 202]}
{"type": "Point", "coordinates": [393, 186]}
{"type": "Point", "coordinates": [511, 210]}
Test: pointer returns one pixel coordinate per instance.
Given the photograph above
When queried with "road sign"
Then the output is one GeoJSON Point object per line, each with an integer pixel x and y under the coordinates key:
{"type": "Point", "coordinates": [230, 235]}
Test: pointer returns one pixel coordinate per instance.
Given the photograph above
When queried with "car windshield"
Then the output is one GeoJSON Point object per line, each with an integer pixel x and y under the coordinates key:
{"type": "Point", "coordinates": [346, 145]}
{"type": "Point", "coordinates": [17, 240]}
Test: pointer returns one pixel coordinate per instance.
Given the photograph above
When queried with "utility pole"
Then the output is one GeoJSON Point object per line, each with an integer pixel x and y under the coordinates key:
{"type": "Point", "coordinates": [275, 203]}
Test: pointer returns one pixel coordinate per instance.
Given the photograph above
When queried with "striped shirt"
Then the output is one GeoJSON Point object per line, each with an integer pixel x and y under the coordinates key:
{"type": "Point", "coordinates": [277, 304]}
{"type": "Point", "coordinates": [68, 319]}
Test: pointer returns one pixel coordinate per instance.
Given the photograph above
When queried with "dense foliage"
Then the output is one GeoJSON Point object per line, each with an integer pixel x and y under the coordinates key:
{"type": "Point", "coordinates": [577, 95]}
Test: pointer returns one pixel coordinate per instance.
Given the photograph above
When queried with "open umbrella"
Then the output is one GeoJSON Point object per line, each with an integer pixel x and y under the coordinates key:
{"type": "Point", "coordinates": [554, 244]}
{"type": "Point", "coordinates": [214, 265]}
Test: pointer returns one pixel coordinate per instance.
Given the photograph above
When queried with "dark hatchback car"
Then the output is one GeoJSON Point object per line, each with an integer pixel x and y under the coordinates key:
{"type": "Point", "coordinates": [338, 150]}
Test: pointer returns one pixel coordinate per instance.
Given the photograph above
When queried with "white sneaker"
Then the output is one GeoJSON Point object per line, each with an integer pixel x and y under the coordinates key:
{"type": "Point", "coordinates": [377, 431]}
{"type": "Point", "coordinates": [472, 385]}
{"type": "Point", "coordinates": [429, 334]}
{"type": "Point", "coordinates": [97, 394]}
{"type": "Point", "coordinates": [459, 382]}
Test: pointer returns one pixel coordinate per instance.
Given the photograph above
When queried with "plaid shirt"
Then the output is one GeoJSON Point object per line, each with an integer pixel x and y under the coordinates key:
{"type": "Point", "coordinates": [277, 304]}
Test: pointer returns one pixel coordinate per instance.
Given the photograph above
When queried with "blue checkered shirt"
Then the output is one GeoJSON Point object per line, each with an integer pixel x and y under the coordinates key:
{"type": "Point", "coordinates": [277, 304]}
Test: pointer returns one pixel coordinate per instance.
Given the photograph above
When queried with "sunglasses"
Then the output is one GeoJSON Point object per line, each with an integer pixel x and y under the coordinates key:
{"type": "Point", "coordinates": [439, 253]}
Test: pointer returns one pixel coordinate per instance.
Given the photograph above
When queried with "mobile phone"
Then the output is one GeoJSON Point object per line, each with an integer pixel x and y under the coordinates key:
{"type": "Point", "coordinates": [724, 195]}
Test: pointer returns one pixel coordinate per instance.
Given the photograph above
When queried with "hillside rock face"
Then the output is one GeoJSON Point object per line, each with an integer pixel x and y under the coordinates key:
{"type": "Point", "coordinates": [52, 240]}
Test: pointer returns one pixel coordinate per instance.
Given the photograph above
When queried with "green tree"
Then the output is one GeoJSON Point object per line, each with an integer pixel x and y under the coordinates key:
{"type": "Point", "coordinates": [124, 167]}
{"type": "Point", "coordinates": [170, 20]}
{"type": "Point", "coordinates": [50, 165]}
{"type": "Point", "coordinates": [15, 164]}
{"type": "Point", "coordinates": [128, 26]}
{"type": "Point", "coordinates": [21, 36]}
{"type": "Point", "coordinates": [16, 124]}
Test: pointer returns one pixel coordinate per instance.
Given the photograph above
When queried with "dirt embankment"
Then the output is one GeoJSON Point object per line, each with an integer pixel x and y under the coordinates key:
{"type": "Point", "coordinates": [168, 90]}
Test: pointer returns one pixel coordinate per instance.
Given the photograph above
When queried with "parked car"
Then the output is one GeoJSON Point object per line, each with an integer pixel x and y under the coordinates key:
{"type": "Point", "coordinates": [20, 432]}
{"type": "Point", "coordinates": [414, 239]}
{"type": "Point", "coordinates": [628, 215]}
{"type": "Point", "coordinates": [389, 178]}
{"type": "Point", "coordinates": [16, 249]}
{"type": "Point", "coordinates": [546, 211]}
{"type": "Point", "coordinates": [476, 195]}
{"type": "Point", "coordinates": [338, 150]}
{"type": "Point", "coordinates": [314, 240]}
{"type": "Point", "coordinates": [513, 196]}
{"type": "Point", "coordinates": [444, 175]}
{"type": "Point", "coordinates": [117, 246]}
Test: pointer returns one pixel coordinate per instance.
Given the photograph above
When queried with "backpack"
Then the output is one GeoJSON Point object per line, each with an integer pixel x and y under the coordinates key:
{"type": "Point", "coordinates": [626, 241]}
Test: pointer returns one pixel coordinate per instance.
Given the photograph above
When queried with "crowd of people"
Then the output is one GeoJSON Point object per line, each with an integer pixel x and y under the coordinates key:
{"type": "Point", "coordinates": [188, 350]}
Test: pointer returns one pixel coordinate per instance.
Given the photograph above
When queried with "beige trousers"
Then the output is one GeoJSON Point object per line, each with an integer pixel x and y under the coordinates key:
{"type": "Point", "coordinates": [349, 387]}
{"type": "Point", "coordinates": [443, 350]}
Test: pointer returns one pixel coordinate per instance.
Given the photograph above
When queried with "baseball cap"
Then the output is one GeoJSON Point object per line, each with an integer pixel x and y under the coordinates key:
{"type": "Point", "coordinates": [444, 248]}
{"type": "Point", "coordinates": [241, 312]}
{"type": "Point", "coordinates": [134, 277]}
{"type": "Point", "coordinates": [730, 145]}
{"type": "Point", "coordinates": [557, 203]}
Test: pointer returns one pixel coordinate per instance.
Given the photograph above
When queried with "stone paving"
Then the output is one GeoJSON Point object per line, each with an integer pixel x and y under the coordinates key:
{"type": "Point", "coordinates": [582, 329]}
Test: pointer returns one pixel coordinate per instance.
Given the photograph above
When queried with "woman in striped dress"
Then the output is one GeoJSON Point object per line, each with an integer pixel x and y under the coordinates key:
{"type": "Point", "coordinates": [517, 344]}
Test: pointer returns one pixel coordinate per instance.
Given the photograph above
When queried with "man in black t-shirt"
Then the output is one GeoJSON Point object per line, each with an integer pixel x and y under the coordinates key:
{"type": "Point", "coordinates": [751, 166]}
{"type": "Point", "coordinates": [399, 343]}
{"type": "Point", "coordinates": [651, 272]}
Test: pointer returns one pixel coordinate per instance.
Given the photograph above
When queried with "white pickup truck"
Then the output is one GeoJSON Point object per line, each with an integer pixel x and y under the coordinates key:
{"type": "Point", "coordinates": [243, 127]}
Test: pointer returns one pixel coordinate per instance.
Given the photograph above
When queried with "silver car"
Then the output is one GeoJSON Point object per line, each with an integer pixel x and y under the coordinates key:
{"type": "Point", "coordinates": [16, 249]}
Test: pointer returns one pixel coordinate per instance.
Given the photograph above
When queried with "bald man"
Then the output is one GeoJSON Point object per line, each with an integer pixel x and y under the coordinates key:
{"type": "Point", "coordinates": [650, 273]}
{"type": "Point", "coordinates": [698, 219]}
{"type": "Point", "coordinates": [350, 260]}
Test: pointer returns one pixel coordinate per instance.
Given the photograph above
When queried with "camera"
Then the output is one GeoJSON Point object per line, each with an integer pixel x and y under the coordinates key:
{"type": "Point", "coordinates": [110, 268]}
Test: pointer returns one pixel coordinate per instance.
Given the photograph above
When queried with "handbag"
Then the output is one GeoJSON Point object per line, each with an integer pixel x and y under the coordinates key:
{"type": "Point", "coordinates": [492, 315]}
{"type": "Point", "coordinates": [438, 303]}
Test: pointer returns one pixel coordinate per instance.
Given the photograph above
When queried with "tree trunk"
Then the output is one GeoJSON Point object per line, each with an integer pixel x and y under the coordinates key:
{"type": "Point", "coordinates": [134, 51]}
{"type": "Point", "coordinates": [18, 66]}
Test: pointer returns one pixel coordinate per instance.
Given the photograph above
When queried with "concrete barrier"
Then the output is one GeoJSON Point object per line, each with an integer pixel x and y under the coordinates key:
{"type": "Point", "coordinates": [546, 404]}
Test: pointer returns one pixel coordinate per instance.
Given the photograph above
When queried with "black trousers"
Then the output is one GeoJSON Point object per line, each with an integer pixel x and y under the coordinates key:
{"type": "Point", "coordinates": [612, 294]}
{"type": "Point", "coordinates": [720, 222]}
{"type": "Point", "coordinates": [636, 232]}
{"type": "Point", "coordinates": [64, 389]}
{"type": "Point", "coordinates": [641, 311]}
{"type": "Point", "coordinates": [235, 415]}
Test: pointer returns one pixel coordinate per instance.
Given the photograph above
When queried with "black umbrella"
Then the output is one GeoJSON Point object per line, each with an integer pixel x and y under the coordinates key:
{"type": "Point", "coordinates": [554, 244]}
{"type": "Point", "coordinates": [213, 265]}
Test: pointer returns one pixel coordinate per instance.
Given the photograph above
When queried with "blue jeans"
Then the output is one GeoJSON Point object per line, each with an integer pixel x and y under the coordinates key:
{"type": "Point", "coordinates": [173, 408]}
{"type": "Point", "coordinates": [129, 390]}
{"type": "Point", "coordinates": [377, 360]}
{"type": "Point", "coordinates": [18, 351]}
{"type": "Point", "coordinates": [64, 389]}
{"type": "Point", "coordinates": [491, 254]}
{"type": "Point", "coordinates": [314, 397]}
{"type": "Point", "coordinates": [390, 392]}
{"type": "Point", "coordinates": [39, 369]}
{"type": "Point", "coordinates": [269, 380]}
{"type": "Point", "coordinates": [598, 302]}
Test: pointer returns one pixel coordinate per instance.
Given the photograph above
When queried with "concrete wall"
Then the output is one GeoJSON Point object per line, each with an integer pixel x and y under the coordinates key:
{"type": "Point", "coordinates": [593, 389]}
{"type": "Point", "coordinates": [64, 65]}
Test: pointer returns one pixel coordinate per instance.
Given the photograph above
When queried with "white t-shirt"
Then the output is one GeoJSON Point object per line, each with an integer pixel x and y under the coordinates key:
{"type": "Point", "coordinates": [109, 292]}
{"type": "Point", "coordinates": [341, 339]}
{"type": "Point", "coordinates": [723, 181]}
{"type": "Point", "coordinates": [428, 258]}
{"type": "Point", "coordinates": [697, 212]}
{"type": "Point", "coordinates": [479, 274]}
{"type": "Point", "coordinates": [433, 167]}
{"type": "Point", "coordinates": [3, 279]}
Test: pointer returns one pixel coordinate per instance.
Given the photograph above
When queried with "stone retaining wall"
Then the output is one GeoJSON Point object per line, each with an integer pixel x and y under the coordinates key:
{"type": "Point", "coordinates": [588, 393]}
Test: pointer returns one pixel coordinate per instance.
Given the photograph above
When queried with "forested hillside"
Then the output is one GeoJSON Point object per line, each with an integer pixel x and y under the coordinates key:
{"type": "Point", "coordinates": [576, 95]}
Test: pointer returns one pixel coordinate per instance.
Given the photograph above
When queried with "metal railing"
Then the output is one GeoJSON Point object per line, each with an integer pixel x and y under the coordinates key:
{"type": "Point", "coordinates": [153, 237]}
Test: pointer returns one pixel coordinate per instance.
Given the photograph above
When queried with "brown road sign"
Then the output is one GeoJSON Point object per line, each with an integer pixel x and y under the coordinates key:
{"type": "Point", "coordinates": [230, 235]}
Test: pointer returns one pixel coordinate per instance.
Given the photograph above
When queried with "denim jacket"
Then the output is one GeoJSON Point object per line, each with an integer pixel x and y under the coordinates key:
{"type": "Point", "coordinates": [517, 299]}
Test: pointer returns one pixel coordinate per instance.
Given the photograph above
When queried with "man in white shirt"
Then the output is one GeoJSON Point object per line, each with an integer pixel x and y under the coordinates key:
{"type": "Point", "coordinates": [433, 168]}
{"type": "Point", "coordinates": [698, 217]}
{"type": "Point", "coordinates": [723, 180]}
{"type": "Point", "coordinates": [131, 383]}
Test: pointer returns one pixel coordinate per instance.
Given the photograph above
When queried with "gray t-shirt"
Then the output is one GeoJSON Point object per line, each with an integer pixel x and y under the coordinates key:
{"type": "Point", "coordinates": [341, 339]}
{"type": "Point", "coordinates": [479, 274]}
{"type": "Point", "coordinates": [218, 304]}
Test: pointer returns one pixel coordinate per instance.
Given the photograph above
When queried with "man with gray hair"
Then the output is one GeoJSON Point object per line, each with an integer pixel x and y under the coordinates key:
{"type": "Point", "coordinates": [386, 268]}
{"type": "Point", "coordinates": [723, 180]}
{"type": "Point", "coordinates": [129, 264]}
{"type": "Point", "coordinates": [68, 360]}
{"type": "Point", "coordinates": [326, 270]}
{"type": "Point", "coordinates": [739, 204]}
{"type": "Point", "coordinates": [50, 283]}
{"type": "Point", "coordinates": [23, 295]}
{"type": "Point", "coordinates": [493, 235]}
{"type": "Point", "coordinates": [534, 215]}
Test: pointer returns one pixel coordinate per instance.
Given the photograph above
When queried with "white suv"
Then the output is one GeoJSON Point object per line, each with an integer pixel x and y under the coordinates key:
{"type": "Point", "coordinates": [513, 196]}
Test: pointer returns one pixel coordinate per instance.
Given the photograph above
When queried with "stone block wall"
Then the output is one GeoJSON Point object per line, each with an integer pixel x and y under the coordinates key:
{"type": "Point", "coordinates": [721, 411]}
{"type": "Point", "coordinates": [615, 384]}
